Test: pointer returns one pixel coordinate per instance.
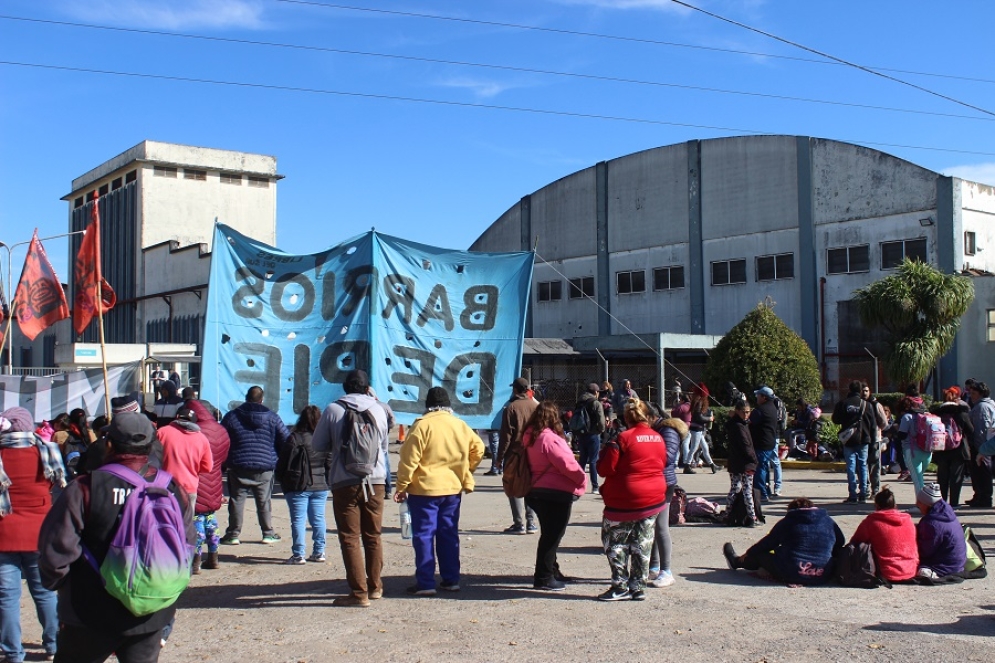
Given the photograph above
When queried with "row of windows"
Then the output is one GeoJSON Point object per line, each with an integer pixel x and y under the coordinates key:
{"type": "Point", "coordinates": [844, 260]}
{"type": "Point", "coordinates": [201, 175]}
{"type": "Point", "coordinates": [115, 184]}
{"type": "Point", "coordinates": [991, 325]}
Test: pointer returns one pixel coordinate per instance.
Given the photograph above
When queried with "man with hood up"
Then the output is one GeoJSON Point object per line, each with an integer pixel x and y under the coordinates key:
{"type": "Point", "coordinates": [256, 432]}
{"type": "Point", "coordinates": [357, 502]}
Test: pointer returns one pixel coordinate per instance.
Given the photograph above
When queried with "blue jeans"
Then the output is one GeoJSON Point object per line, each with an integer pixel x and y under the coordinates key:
{"type": "Point", "coordinates": [698, 442]}
{"type": "Point", "coordinates": [493, 441]}
{"type": "Point", "coordinates": [685, 457]}
{"type": "Point", "coordinates": [307, 506]}
{"type": "Point", "coordinates": [856, 470]}
{"type": "Point", "coordinates": [764, 458]}
{"type": "Point", "coordinates": [777, 467]}
{"type": "Point", "coordinates": [435, 530]}
{"type": "Point", "coordinates": [12, 565]}
{"type": "Point", "coordinates": [590, 448]}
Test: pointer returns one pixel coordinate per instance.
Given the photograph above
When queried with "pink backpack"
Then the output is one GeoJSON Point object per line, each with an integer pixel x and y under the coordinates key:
{"type": "Point", "coordinates": [931, 434]}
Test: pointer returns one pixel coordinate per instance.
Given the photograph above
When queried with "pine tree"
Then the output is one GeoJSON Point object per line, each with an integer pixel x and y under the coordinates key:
{"type": "Point", "coordinates": [762, 350]}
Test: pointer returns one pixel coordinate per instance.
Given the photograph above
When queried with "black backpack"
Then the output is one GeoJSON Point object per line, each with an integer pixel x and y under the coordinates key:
{"type": "Point", "coordinates": [855, 567]}
{"type": "Point", "coordinates": [360, 441]}
{"type": "Point", "coordinates": [293, 468]}
{"type": "Point", "coordinates": [782, 416]}
{"type": "Point", "coordinates": [580, 422]}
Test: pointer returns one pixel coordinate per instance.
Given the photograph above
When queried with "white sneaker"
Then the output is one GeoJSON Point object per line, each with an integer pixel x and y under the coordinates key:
{"type": "Point", "coordinates": [777, 492]}
{"type": "Point", "coordinates": [665, 579]}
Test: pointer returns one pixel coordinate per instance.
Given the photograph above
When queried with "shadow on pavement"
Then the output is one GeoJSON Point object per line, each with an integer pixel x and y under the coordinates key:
{"type": "Point", "coordinates": [726, 576]}
{"type": "Point", "coordinates": [982, 625]}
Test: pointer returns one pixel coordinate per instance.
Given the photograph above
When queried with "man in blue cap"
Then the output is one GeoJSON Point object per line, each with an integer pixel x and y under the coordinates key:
{"type": "Point", "coordinates": [763, 430]}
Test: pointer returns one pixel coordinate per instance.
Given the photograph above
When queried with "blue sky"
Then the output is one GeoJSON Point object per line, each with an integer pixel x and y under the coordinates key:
{"type": "Point", "coordinates": [440, 173]}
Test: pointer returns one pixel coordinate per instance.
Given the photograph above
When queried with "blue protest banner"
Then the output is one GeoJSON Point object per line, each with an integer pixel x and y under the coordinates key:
{"type": "Point", "coordinates": [413, 316]}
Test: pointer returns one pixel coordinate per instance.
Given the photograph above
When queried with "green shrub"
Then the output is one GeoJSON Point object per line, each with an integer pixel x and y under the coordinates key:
{"type": "Point", "coordinates": [762, 350]}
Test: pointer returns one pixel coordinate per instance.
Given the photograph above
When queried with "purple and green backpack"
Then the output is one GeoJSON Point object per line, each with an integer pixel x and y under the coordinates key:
{"type": "Point", "coordinates": [147, 565]}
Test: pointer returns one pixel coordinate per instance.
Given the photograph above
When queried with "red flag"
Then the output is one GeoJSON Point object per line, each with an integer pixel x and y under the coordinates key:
{"type": "Point", "coordinates": [39, 300]}
{"type": "Point", "coordinates": [88, 278]}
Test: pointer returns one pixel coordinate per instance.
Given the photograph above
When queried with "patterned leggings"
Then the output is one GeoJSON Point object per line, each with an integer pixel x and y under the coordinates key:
{"type": "Point", "coordinates": [207, 531]}
{"type": "Point", "coordinates": [627, 545]}
{"type": "Point", "coordinates": [742, 483]}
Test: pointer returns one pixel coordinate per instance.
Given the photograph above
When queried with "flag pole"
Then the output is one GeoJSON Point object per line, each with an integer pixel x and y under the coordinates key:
{"type": "Point", "coordinates": [6, 327]}
{"type": "Point", "coordinates": [100, 320]}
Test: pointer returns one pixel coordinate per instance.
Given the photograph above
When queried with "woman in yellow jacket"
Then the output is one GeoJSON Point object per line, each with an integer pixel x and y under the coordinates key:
{"type": "Point", "coordinates": [438, 458]}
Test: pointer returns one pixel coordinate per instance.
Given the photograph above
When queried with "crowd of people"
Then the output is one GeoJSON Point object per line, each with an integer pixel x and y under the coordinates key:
{"type": "Point", "coordinates": [629, 453]}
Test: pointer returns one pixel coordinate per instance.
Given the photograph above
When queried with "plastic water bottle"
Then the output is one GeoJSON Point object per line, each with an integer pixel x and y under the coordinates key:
{"type": "Point", "coordinates": [405, 520]}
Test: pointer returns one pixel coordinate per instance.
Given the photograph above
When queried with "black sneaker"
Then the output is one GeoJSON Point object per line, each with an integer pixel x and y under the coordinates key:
{"type": "Point", "coordinates": [730, 554]}
{"type": "Point", "coordinates": [850, 500]}
{"type": "Point", "coordinates": [551, 585]}
{"type": "Point", "coordinates": [637, 595]}
{"type": "Point", "coordinates": [614, 594]}
{"type": "Point", "coordinates": [688, 470]}
{"type": "Point", "coordinates": [449, 586]}
{"type": "Point", "coordinates": [419, 591]}
{"type": "Point", "coordinates": [515, 529]}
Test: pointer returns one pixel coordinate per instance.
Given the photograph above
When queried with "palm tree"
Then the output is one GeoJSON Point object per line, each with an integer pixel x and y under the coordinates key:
{"type": "Point", "coordinates": [920, 307]}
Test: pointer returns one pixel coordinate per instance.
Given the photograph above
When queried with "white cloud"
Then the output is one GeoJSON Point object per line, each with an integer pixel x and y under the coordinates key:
{"type": "Point", "coordinates": [481, 87]}
{"type": "Point", "coordinates": [171, 15]}
{"type": "Point", "coordinates": [977, 172]}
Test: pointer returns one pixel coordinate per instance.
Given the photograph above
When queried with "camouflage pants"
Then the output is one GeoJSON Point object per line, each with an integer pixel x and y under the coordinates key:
{"type": "Point", "coordinates": [627, 545]}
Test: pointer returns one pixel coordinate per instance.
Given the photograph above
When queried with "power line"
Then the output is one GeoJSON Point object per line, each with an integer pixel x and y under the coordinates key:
{"type": "Point", "coordinates": [848, 63]}
{"type": "Point", "coordinates": [461, 63]}
{"type": "Point", "coordinates": [601, 35]}
{"type": "Point", "coordinates": [458, 104]}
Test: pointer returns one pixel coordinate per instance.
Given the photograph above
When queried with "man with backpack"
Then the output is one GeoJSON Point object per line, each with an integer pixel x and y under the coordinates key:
{"type": "Point", "coordinates": [256, 435]}
{"type": "Point", "coordinates": [353, 430]}
{"type": "Point", "coordinates": [587, 425]}
{"type": "Point", "coordinates": [85, 536]}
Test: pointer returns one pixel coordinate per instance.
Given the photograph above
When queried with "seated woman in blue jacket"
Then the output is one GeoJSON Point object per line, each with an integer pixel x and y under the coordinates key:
{"type": "Point", "coordinates": [939, 536]}
{"type": "Point", "coordinates": [799, 549]}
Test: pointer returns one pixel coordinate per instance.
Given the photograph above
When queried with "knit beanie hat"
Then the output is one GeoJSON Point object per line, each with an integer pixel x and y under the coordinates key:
{"type": "Point", "coordinates": [437, 397]}
{"type": "Point", "coordinates": [929, 494]}
{"type": "Point", "coordinates": [20, 420]}
{"type": "Point", "coordinates": [129, 403]}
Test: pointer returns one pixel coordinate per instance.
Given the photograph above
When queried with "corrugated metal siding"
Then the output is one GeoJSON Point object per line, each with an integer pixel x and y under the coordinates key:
{"type": "Point", "coordinates": [119, 256]}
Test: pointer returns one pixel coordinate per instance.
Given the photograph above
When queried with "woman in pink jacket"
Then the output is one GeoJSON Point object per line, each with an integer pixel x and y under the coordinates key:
{"type": "Point", "coordinates": [557, 480]}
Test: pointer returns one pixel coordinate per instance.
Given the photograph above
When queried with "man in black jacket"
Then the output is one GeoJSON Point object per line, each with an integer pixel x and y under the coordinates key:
{"type": "Point", "coordinates": [856, 420]}
{"type": "Point", "coordinates": [763, 430]}
{"type": "Point", "coordinates": [94, 623]}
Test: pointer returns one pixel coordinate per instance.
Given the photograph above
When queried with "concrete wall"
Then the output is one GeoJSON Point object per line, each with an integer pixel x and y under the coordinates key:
{"type": "Point", "coordinates": [502, 233]}
{"type": "Point", "coordinates": [564, 217]}
{"type": "Point", "coordinates": [977, 216]}
{"type": "Point", "coordinates": [567, 317]}
{"type": "Point", "coordinates": [976, 355]}
{"type": "Point", "coordinates": [648, 199]}
{"type": "Point", "coordinates": [168, 268]}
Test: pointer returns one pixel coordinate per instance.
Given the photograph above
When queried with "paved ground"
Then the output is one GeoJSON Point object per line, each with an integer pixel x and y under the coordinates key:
{"type": "Point", "coordinates": [254, 608]}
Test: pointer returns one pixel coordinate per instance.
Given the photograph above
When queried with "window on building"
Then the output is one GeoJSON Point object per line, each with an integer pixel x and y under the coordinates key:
{"type": "Point", "coordinates": [892, 253]}
{"type": "Point", "coordinates": [164, 171]}
{"type": "Point", "coordinates": [970, 243]}
{"type": "Point", "coordinates": [582, 287]}
{"type": "Point", "coordinates": [727, 272]}
{"type": "Point", "coordinates": [991, 325]}
{"type": "Point", "coordinates": [191, 174]}
{"type": "Point", "coordinates": [116, 184]}
{"type": "Point", "coordinates": [104, 190]}
{"type": "Point", "coordinates": [630, 282]}
{"type": "Point", "coordinates": [668, 278]}
{"type": "Point", "coordinates": [78, 202]}
{"type": "Point", "coordinates": [849, 259]}
{"type": "Point", "coordinates": [131, 177]}
{"type": "Point", "coordinates": [259, 182]}
{"type": "Point", "coordinates": [231, 178]}
{"type": "Point", "coordinates": [550, 291]}
{"type": "Point", "coordinates": [775, 268]}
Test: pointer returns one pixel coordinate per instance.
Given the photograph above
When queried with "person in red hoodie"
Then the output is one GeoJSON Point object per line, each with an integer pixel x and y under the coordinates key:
{"type": "Point", "coordinates": [209, 485]}
{"type": "Point", "coordinates": [557, 480]}
{"type": "Point", "coordinates": [634, 491]}
{"type": "Point", "coordinates": [29, 468]}
{"type": "Point", "coordinates": [892, 536]}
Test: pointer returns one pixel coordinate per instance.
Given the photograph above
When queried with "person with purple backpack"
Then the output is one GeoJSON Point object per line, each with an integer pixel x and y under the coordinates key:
{"type": "Point", "coordinates": [76, 538]}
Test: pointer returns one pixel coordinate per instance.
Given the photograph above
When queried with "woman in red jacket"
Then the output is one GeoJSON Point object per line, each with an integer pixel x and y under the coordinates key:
{"type": "Point", "coordinates": [29, 468]}
{"type": "Point", "coordinates": [892, 536]}
{"type": "Point", "coordinates": [557, 480]}
{"type": "Point", "coordinates": [209, 490]}
{"type": "Point", "coordinates": [634, 491]}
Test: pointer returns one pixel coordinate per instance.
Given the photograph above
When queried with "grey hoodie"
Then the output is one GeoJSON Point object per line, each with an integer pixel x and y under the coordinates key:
{"type": "Point", "coordinates": [328, 437]}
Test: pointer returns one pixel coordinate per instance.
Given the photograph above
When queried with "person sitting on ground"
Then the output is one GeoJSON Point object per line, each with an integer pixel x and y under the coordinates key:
{"type": "Point", "coordinates": [939, 536]}
{"type": "Point", "coordinates": [634, 491]}
{"type": "Point", "coordinates": [892, 536]}
{"type": "Point", "coordinates": [800, 548]}
{"type": "Point", "coordinates": [557, 481]}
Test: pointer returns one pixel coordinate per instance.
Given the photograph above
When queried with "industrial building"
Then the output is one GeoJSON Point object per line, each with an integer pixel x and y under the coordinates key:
{"type": "Point", "coordinates": [661, 252]}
